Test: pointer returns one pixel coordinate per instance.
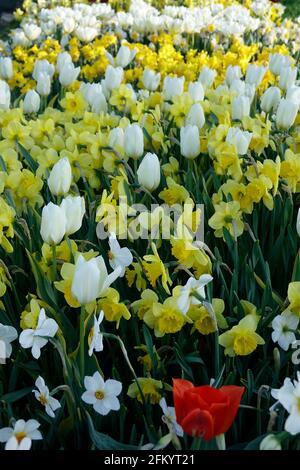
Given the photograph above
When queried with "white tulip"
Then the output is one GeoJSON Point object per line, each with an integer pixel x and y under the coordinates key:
{"type": "Point", "coordinates": [277, 62]}
{"type": "Point", "coordinates": [270, 99]}
{"type": "Point", "coordinates": [53, 225]}
{"type": "Point", "coordinates": [134, 141]}
{"type": "Point", "coordinates": [62, 59]}
{"type": "Point", "coordinates": [286, 114]}
{"type": "Point", "coordinates": [113, 77]}
{"type": "Point", "coordinates": [32, 102]}
{"type": "Point", "coordinates": [86, 34]}
{"type": "Point", "coordinates": [196, 116]}
{"type": "Point", "coordinates": [68, 74]}
{"type": "Point", "coordinates": [172, 86]}
{"type": "Point", "coordinates": [240, 139]}
{"type": "Point", "coordinates": [150, 79]}
{"type": "Point", "coordinates": [255, 74]}
{"type": "Point", "coordinates": [287, 77]}
{"type": "Point", "coordinates": [148, 172]}
{"type": "Point", "coordinates": [60, 178]}
{"type": "Point", "coordinates": [237, 86]}
{"type": "Point", "coordinates": [196, 91]}
{"type": "Point", "coordinates": [91, 279]}
{"type": "Point", "coordinates": [293, 94]}
{"type": "Point", "coordinates": [6, 68]}
{"type": "Point", "coordinates": [125, 56]}
{"type": "Point", "coordinates": [32, 31]}
{"type": "Point", "coordinates": [116, 138]}
{"type": "Point", "coordinates": [43, 66]}
{"type": "Point", "coordinates": [240, 107]}
{"type": "Point", "coordinates": [4, 95]}
{"type": "Point", "coordinates": [43, 85]}
{"type": "Point", "coordinates": [189, 141]}
{"type": "Point", "coordinates": [233, 72]}
{"type": "Point", "coordinates": [68, 25]}
{"type": "Point", "coordinates": [74, 209]}
{"type": "Point", "coordinates": [207, 77]}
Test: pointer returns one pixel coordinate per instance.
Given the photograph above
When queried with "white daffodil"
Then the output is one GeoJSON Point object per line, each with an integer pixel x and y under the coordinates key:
{"type": "Point", "coordinates": [43, 396]}
{"type": "Point", "coordinates": [284, 328]}
{"type": "Point", "coordinates": [20, 437]}
{"type": "Point", "coordinates": [37, 338]}
{"type": "Point", "coordinates": [95, 338]}
{"type": "Point", "coordinates": [169, 418]}
{"type": "Point", "coordinates": [289, 397]}
{"type": "Point", "coordinates": [102, 394]}
{"type": "Point", "coordinates": [7, 335]}
{"type": "Point", "coordinates": [192, 287]}
{"type": "Point", "coordinates": [118, 256]}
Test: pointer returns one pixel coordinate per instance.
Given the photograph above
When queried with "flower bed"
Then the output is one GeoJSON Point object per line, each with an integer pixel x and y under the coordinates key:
{"type": "Point", "coordinates": [150, 270]}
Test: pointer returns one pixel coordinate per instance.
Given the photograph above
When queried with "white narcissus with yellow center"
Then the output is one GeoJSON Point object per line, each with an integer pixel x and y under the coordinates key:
{"type": "Point", "coordinates": [20, 436]}
{"type": "Point", "coordinates": [102, 394]}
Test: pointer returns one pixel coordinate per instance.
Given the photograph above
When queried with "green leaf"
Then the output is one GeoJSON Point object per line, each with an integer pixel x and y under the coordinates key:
{"type": "Point", "coordinates": [15, 396]}
{"type": "Point", "coordinates": [28, 158]}
{"type": "Point", "coordinates": [104, 442]}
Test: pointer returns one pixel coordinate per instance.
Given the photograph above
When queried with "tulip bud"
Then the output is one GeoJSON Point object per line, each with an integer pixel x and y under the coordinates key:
{"type": "Point", "coordinates": [255, 74]}
{"type": "Point", "coordinates": [148, 172]}
{"type": "Point", "coordinates": [270, 442]}
{"type": "Point", "coordinates": [113, 77]}
{"type": "Point", "coordinates": [293, 94]}
{"type": "Point", "coordinates": [68, 25]}
{"type": "Point", "coordinates": [286, 114]}
{"type": "Point", "coordinates": [86, 33]}
{"type": "Point", "coordinates": [240, 139]}
{"type": "Point", "coordinates": [6, 68]}
{"type": "Point", "coordinates": [172, 86]}
{"type": "Point", "coordinates": [233, 72]}
{"type": "Point", "coordinates": [99, 105]}
{"type": "Point", "coordinates": [150, 79]}
{"type": "Point", "coordinates": [74, 209]}
{"type": "Point", "coordinates": [125, 56]}
{"type": "Point", "coordinates": [270, 99]}
{"type": "Point", "coordinates": [278, 62]}
{"type": "Point", "coordinates": [189, 141]}
{"type": "Point", "coordinates": [134, 141]}
{"type": "Point", "coordinates": [196, 91]}
{"type": "Point", "coordinates": [116, 138]}
{"type": "Point", "coordinates": [4, 95]}
{"type": "Point", "coordinates": [42, 66]}
{"type": "Point", "coordinates": [237, 86]}
{"type": "Point", "coordinates": [60, 178]}
{"type": "Point", "coordinates": [196, 116]}
{"type": "Point", "coordinates": [207, 77]}
{"type": "Point", "coordinates": [32, 102]}
{"type": "Point", "coordinates": [240, 107]}
{"type": "Point", "coordinates": [287, 77]}
{"type": "Point", "coordinates": [53, 224]}
{"type": "Point", "coordinates": [43, 85]}
{"type": "Point", "coordinates": [62, 59]}
{"type": "Point", "coordinates": [32, 31]}
{"type": "Point", "coordinates": [298, 223]}
{"type": "Point", "coordinates": [91, 279]}
{"type": "Point", "coordinates": [68, 74]}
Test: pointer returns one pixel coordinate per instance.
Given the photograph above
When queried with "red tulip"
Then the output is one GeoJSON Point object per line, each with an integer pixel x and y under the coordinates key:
{"type": "Point", "coordinates": [205, 411]}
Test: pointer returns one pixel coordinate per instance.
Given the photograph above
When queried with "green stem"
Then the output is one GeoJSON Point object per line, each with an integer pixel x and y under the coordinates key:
{"type": "Point", "coordinates": [54, 262]}
{"type": "Point", "coordinates": [81, 344]}
{"type": "Point", "coordinates": [217, 354]}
